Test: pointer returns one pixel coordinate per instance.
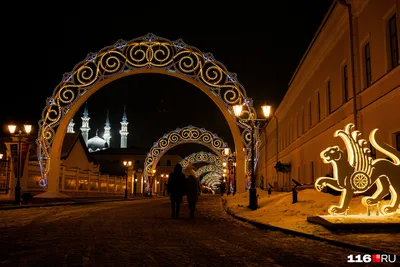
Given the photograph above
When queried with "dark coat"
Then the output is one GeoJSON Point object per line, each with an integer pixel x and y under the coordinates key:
{"type": "Point", "coordinates": [192, 188]}
{"type": "Point", "coordinates": [176, 185]}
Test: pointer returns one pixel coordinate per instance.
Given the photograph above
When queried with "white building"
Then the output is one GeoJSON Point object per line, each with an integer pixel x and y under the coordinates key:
{"type": "Point", "coordinates": [350, 73]}
{"type": "Point", "coordinates": [98, 143]}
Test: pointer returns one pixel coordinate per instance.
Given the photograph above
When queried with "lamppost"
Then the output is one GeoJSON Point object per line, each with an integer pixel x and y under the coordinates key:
{"type": "Point", "coordinates": [231, 167]}
{"type": "Point", "coordinates": [134, 187]}
{"type": "Point", "coordinates": [19, 136]}
{"type": "Point", "coordinates": [237, 109]}
{"type": "Point", "coordinates": [269, 117]}
{"type": "Point", "coordinates": [127, 164]}
{"type": "Point", "coordinates": [234, 176]}
{"type": "Point", "coordinates": [152, 180]}
{"type": "Point", "coordinates": [165, 183]}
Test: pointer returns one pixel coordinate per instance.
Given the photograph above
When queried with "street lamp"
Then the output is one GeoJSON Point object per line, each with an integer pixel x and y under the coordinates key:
{"type": "Point", "coordinates": [269, 117]}
{"type": "Point", "coordinates": [20, 136]}
{"type": "Point", "coordinates": [134, 187]}
{"type": "Point", "coordinates": [237, 109]}
{"type": "Point", "coordinates": [152, 180]}
{"type": "Point", "coordinates": [127, 164]}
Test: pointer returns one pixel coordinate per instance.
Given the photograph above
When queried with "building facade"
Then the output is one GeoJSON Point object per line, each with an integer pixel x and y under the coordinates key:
{"type": "Point", "coordinates": [349, 74]}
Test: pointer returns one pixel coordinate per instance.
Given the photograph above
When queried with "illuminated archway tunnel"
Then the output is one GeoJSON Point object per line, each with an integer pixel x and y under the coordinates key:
{"type": "Point", "coordinates": [146, 54]}
{"type": "Point", "coordinates": [212, 179]}
{"type": "Point", "coordinates": [179, 136]}
{"type": "Point", "coordinates": [208, 168]}
{"type": "Point", "coordinates": [205, 157]}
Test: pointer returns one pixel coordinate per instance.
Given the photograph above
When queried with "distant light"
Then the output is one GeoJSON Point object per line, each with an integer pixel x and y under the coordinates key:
{"type": "Point", "coordinates": [12, 128]}
{"type": "Point", "coordinates": [266, 110]}
{"type": "Point", "coordinates": [28, 128]}
{"type": "Point", "coordinates": [227, 151]}
{"type": "Point", "coordinates": [237, 110]}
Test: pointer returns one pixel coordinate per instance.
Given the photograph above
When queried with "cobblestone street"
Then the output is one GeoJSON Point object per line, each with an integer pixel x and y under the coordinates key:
{"type": "Point", "coordinates": [141, 233]}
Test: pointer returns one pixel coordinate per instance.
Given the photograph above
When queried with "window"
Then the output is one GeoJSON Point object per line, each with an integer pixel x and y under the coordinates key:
{"type": "Point", "coordinates": [168, 162]}
{"type": "Point", "coordinates": [302, 121]}
{"type": "Point", "coordinates": [328, 97]}
{"type": "Point", "coordinates": [309, 114]}
{"type": "Point", "coordinates": [299, 126]}
{"type": "Point", "coordinates": [318, 107]}
{"type": "Point", "coordinates": [298, 173]}
{"type": "Point", "coordinates": [312, 171]}
{"type": "Point", "coordinates": [393, 44]}
{"type": "Point", "coordinates": [345, 84]}
{"type": "Point", "coordinates": [367, 62]}
{"type": "Point", "coordinates": [398, 141]}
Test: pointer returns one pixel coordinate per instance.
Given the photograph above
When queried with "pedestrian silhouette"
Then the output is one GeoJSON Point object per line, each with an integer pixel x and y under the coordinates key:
{"type": "Point", "coordinates": [176, 189]}
{"type": "Point", "coordinates": [192, 190]}
{"type": "Point", "coordinates": [222, 188]}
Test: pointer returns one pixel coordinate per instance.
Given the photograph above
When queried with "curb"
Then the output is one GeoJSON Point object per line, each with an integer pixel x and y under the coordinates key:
{"type": "Point", "coordinates": [67, 203]}
{"type": "Point", "coordinates": [264, 226]}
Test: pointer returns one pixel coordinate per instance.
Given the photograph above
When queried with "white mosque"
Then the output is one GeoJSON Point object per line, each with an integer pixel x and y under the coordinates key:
{"type": "Point", "coordinates": [98, 143]}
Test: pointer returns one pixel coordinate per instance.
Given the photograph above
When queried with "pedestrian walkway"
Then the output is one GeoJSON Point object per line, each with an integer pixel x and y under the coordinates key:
{"type": "Point", "coordinates": [9, 205]}
{"type": "Point", "coordinates": [278, 213]}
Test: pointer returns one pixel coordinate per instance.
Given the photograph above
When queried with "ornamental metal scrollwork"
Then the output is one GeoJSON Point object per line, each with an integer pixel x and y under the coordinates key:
{"type": "Point", "coordinates": [202, 157]}
{"type": "Point", "coordinates": [138, 55]}
{"type": "Point", "coordinates": [212, 179]}
{"type": "Point", "coordinates": [209, 168]}
{"type": "Point", "coordinates": [189, 134]}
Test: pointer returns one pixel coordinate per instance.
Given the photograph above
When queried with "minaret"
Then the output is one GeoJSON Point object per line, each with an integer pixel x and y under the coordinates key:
{"type": "Point", "coordinates": [124, 130]}
{"type": "Point", "coordinates": [71, 126]}
{"type": "Point", "coordinates": [85, 124]}
{"type": "Point", "coordinates": [107, 128]}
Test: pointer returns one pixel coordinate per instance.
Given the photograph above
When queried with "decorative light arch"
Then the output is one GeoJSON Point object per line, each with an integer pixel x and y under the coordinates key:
{"type": "Point", "coordinates": [208, 168]}
{"type": "Point", "coordinates": [212, 179]}
{"type": "Point", "coordinates": [202, 157]}
{"type": "Point", "coordinates": [146, 54]}
{"type": "Point", "coordinates": [188, 134]}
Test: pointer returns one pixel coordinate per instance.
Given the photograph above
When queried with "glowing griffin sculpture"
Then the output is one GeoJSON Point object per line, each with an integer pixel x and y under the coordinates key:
{"type": "Point", "coordinates": [359, 172]}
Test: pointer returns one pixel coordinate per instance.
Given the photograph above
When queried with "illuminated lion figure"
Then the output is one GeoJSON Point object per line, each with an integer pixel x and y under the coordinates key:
{"type": "Point", "coordinates": [358, 172]}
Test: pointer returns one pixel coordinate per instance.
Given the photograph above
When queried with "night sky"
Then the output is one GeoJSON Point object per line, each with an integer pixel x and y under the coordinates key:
{"type": "Point", "coordinates": [264, 52]}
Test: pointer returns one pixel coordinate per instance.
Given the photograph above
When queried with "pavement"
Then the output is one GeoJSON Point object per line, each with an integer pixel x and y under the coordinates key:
{"type": "Point", "coordinates": [9, 205]}
{"type": "Point", "coordinates": [376, 241]}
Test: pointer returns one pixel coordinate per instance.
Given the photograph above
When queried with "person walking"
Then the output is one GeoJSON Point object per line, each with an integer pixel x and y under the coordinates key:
{"type": "Point", "coordinates": [176, 189]}
{"type": "Point", "coordinates": [222, 188]}
{"type": "Point", "coordinates": [192, 190]}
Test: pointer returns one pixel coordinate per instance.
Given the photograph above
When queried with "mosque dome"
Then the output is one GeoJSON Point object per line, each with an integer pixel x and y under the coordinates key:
{"type": "Point", "coordinates": [96, 143]}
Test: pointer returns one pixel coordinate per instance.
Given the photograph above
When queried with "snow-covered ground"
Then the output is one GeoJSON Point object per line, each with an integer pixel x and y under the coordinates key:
{"type": "Point", "coordinates": [278, 210]}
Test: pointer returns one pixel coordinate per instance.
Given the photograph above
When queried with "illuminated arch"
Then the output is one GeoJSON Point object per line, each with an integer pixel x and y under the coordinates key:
{"type": "Point", "coordinates": [202, 156]}
{"type": "Point", "coordinates": [146, 54]}
{"type": "Point", "coordinates": [209, 168]}
{"type": "Point", "coordinates": [212, 179]}
{"type": "Point", "coordinates": [188, 134]}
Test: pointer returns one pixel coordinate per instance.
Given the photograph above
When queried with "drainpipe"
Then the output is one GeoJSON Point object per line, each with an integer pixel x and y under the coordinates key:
{"type": "Point", "coordinates": [355, 110]}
